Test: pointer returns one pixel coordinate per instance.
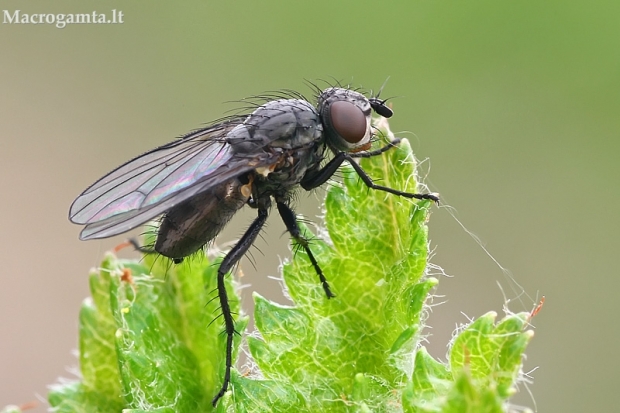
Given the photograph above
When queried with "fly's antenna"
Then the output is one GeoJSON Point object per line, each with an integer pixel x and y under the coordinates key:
{"type": "Point", "coordinates": [378, 104]}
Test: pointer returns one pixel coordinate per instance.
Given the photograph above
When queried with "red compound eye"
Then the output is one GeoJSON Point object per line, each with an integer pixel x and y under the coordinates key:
{"type": "Point", "coordinates": [348, 120]}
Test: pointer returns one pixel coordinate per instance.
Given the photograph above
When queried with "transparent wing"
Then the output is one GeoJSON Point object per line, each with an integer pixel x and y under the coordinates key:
{"type": "Point", "coordinates": [154, 182]}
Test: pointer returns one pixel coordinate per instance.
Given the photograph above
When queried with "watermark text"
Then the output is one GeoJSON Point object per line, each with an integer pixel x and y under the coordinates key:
{"type": "Point", "coordinates": [61, 20]}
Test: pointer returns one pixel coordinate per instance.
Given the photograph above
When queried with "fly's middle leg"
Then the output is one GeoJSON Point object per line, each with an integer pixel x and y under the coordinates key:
{"type": "Point", "coordinates": [288, 216]}
{"type": "Point", "coordinates": [232, 258]}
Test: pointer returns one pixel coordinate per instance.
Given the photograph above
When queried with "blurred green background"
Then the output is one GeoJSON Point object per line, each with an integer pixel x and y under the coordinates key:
{"type": "Point", "coordinates": [516, 105]}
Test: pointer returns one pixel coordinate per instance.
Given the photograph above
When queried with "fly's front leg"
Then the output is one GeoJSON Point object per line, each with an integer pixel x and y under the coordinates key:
{"type": "Point", "coordinates": [323, 174]}
{"type": "Point", "coordinates": [368, 181]}
{"type": "Point", "coordinates": [232, 258]}
{"type": "Point", "coordinates": [288, 216]}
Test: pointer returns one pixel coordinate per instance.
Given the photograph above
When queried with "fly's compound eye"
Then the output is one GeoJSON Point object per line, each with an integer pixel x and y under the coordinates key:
{"type": "Point", "coordinates": [380, 107]}
{"type": "Point", "coordinates": [348, 120]}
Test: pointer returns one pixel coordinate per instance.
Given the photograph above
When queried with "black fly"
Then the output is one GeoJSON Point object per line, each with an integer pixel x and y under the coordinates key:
{"type": "Point", "coordinates": [199, 181]}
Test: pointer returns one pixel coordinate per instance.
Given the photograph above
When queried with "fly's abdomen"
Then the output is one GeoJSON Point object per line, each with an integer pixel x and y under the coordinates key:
{"type": "Point", "coordinates": [187, 227]}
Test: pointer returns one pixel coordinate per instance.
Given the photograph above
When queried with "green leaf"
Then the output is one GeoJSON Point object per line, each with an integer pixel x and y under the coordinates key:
{"type": "Point", "coordinates": [147, 342]}
{"type": "Point", "coordinates": [485, 360]}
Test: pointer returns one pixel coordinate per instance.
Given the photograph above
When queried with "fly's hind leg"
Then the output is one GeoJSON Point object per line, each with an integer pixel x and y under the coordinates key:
{"type": "Point", "coordinates": [232, 258]}
{"type": "Point", "coordinates": [288, 216]}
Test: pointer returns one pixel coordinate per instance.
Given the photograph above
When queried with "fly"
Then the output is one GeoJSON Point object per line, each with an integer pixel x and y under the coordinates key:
{"type": "Point", "coordinates": [198, 182]}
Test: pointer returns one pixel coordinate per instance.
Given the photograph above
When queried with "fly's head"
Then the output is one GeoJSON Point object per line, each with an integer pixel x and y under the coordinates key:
{"type": "Point", "coordinates": [345, 115]}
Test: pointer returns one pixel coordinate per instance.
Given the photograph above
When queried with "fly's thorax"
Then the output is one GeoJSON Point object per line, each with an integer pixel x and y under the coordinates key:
{"type": "Point", "coordinates": [282, 123]}
{"type": "Point", "coordinates": [292, 166]}
{"type": "Point", "coordinates": [346, 116]}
